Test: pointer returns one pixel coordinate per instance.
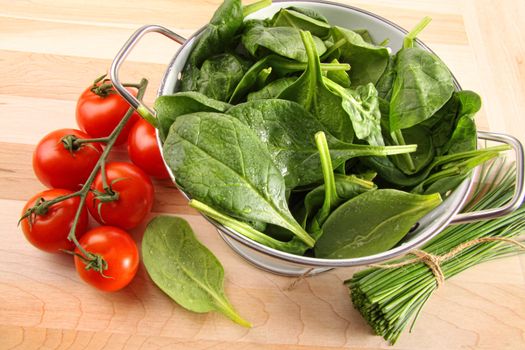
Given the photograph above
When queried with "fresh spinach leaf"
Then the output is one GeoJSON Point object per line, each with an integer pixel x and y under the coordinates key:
{"type": "Point", "coordinates": [452, 164]}
{"type": "Point", "coordinates": [284, 41]}
{"type": "Point", "coordinates": [362, 107]}
{"type": "Point", "coordinates": [368, 61]}
{"type": "Point", "coordinates": [282, 66]}
{"type": "Point", "coordinates": [309, 12]}
{"type": "Point", "coordinates": [185, 269]}
{"type": "Point", "coordinates": [287, 17]}
{"type": "Point", "coordinates": [220, 161]}
{"type": "Point", "coordinates": [423, 84]}
{"type": "Point", "coordinates": [219, 33]}
{"type": "Point", "coordinates": [442, 124]}
{"type": "Point", "coordinates": [219, 76]}
{"type": "Point", "coordinates": [449, 176]}
{"type": "Point", "coordinates": [169, 107]}
{"type": "Point", "coordinates": [292, 149]}
{"type": "Point", "coordinates": [346, 186]}
{"type": "Point", "coordinates": [386, 82]}
{"type": "Point", "coordinates": [310, 91]}
{"type": "Point", "coordinates": [425, 152]}
{"type": "Point", "coordinates": [271, 90]}
{"type": "Point", "coordinates": [464, 137]}
{"type": "Point", "coordinates": [372, 222]}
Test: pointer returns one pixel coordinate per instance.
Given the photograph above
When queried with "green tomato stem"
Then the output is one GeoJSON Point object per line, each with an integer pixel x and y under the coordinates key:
{"type": "Point", "coordinates": [93, 140]}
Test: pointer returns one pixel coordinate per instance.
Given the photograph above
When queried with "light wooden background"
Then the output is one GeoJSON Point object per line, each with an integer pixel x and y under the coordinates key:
{"type": "Point", "coordinates": [51, 50]}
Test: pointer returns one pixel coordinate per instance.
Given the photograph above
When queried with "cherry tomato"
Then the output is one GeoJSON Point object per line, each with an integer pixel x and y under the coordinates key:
{"type": "Point", "coordinates": [144, 150]}
{"type": "Point", "coordinates": [131, 190]}
{"type": "Point", "coordinates": [58, 167]}
{"type": "Point", "coordinates": [99, 115]}
{"type": "Point", "coordinates": [119, 251]}
{"type": "Point", "coordinates": [49, 231]}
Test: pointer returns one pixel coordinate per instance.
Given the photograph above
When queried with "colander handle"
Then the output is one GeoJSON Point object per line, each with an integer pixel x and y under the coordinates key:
{"type": "Point", "coordinates": [141, 108]}
{"type": "Point", "coordinates": [519, 190]}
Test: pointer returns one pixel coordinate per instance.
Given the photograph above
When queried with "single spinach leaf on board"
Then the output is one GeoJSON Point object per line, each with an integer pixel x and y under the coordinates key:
{"type": "Point", "coordinates": [284, 41]}
{"type": "Point", "coordinates": [368, 61]}
{"type": "Point", "coordinates": [422, 85]}
{"type": "Point", "coordinates": [169, 107]}
{"type": "Point", "coordinates": [287, 17]}
{"type": "Point", "coordinates": [371, 223]}
{"type": "Point", "coordinates": [362, 107]}
{"type": "Point", "coordinates": [293, 149]}
{"type": "Point", "coordinates": [310, 91]}
{"type": "Point", "coordinates": [218, 160]}
{"type": "Point", "coordinates": [272, 90]}
{"type": "Point", "coordinates": [223, 26]}
{"type": "Point", "coordinates": [219, 76]}
{"type": "Point", "coordinates": [185, 269]}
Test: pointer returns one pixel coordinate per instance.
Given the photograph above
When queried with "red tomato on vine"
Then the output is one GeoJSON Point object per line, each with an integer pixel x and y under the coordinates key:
{"type": "Point", "coordinates": [47, 227]}
{"type": "Point", "coordinates": [126, 201]}
{"type": "Point", "coordinates": [112, 248]}
{"type": "Point", "coordinates": [100, 108]}
{"type": "Point", "coordinates": [60, 162]}
{"type": "Point", "coordinates": [144, 151]}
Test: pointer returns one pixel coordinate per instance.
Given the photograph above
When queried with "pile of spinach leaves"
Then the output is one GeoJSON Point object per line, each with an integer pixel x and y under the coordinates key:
{"type": "Point", "coordinates": [313, 139]}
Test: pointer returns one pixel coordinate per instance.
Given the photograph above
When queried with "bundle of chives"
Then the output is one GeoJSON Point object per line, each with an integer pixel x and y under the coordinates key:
{"type": "Point", "coordinates": [388, 298]}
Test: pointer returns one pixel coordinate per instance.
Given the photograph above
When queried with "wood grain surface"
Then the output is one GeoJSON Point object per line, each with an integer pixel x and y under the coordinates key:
{"type": "Point", "coordinates": [51, 50]}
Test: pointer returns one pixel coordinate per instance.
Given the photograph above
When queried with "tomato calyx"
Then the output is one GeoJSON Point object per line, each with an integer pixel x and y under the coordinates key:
{"type": "Point", "coordinates": [102, 87]}
{"type": "Point", "coordinates": [95, 262]}
{"type": "Point", "coordinates": [73, 143]}
{"type": "Point", "coordinates": [107, 195]}
{"type": "Point", "coordinates": [41, 207]}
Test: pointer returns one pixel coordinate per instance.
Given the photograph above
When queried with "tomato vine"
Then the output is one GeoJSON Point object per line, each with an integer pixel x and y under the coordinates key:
{"type": "Point", "coordinates": [94, 261]}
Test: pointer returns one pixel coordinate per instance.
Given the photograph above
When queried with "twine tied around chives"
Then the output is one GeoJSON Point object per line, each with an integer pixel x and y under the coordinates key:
{"type": "Point", "coordinates": [431, 260]}
{"type": "Point", "coordinates": [434, 261]}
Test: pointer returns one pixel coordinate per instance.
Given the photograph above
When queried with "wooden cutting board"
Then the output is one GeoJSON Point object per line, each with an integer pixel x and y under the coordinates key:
{"type": "Point", "coordinates": [51, 50]}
